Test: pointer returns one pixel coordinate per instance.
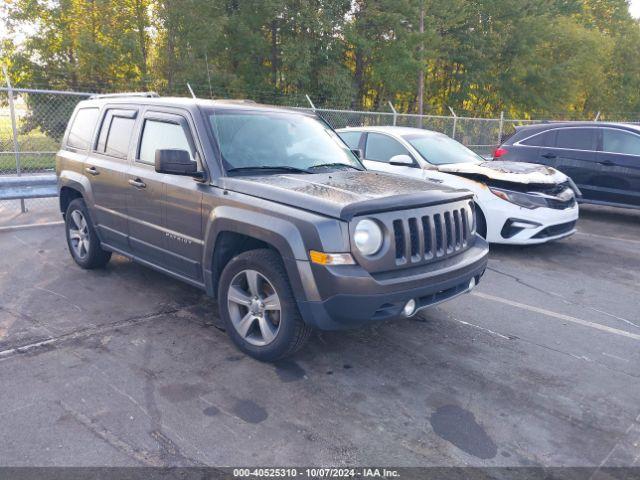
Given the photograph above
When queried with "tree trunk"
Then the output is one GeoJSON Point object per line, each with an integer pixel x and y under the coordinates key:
{"type": "Point", "coordinates": [421, 66]}
{"type": "Point", "coordinates": [274, 53]}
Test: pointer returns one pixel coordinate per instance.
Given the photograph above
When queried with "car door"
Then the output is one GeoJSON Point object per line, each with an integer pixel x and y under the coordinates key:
{"type": "Point", "coordinates": [166, 213]}
{"type": "Point", "coordinates": [106, 167]}
{"type": "Point", "coordinates": [574, 154]}
{"type": "Point", "coordinates": [379, 148]}
{"type": "Point", "coordinates": [618, 165]}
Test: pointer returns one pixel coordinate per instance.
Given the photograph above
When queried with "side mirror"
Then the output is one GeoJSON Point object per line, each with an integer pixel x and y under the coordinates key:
{"type": "Point", "coordinates": [401, 161]}
{"type": "Point", "coordinates": [176, 162]}
{"type": "Point", "coordinates": [358, 152]}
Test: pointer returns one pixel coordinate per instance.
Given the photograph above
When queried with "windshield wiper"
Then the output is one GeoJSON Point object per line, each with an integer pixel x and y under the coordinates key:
{"type": "Point", "coordinates": [335, 164]}
{"type": "Point", "coordinates": [272, 168]}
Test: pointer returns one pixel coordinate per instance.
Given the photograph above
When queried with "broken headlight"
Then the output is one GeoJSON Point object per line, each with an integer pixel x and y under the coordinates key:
{"type": "Point", "coordinates": [526, 200]}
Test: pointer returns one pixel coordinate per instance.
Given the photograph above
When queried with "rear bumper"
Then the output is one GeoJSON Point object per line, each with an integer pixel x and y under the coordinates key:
{"type": "Point", "coordinates": [351, 297]}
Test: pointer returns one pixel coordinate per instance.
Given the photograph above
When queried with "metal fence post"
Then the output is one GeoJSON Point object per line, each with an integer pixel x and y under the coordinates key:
{"type": "Point", "coordinates": [313, 107]}
{"type": "Point", "coordinates": [455, 122]}
{"type": "Point", "coordinates": [14, 128]}
{"type": "Point", "coordinates": [501, 130]}
{"type": "Point", "coordinates": [395, 114]}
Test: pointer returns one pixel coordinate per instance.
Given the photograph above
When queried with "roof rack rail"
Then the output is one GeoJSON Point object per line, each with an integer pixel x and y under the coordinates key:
{"type": "Point", "coordinates": [125, 94]}
{"type": "Point", "coordinates": [236, 100]}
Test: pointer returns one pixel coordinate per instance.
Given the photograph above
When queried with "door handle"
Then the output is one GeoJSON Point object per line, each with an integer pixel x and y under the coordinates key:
{"type": "Point", "coordinates": [607, 163]}
{"type": "Point", "coordinates": [137, 183]}
{"type": "Point", "coordinates": [549, 155]}
{"type": "Point", "coordinates": [92, 171]}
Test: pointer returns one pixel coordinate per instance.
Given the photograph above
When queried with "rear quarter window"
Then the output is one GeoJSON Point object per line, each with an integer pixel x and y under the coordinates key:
{"type": "Point", "coordinates": [82, 126]}
{"type": "Point", "coordinates": [116, 132]}
{"type": "Point", "coordinates": [544, 139]}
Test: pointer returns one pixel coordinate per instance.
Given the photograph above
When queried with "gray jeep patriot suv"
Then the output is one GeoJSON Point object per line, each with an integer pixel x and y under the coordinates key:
{"type": "Point", "coordinates": [265, 209]}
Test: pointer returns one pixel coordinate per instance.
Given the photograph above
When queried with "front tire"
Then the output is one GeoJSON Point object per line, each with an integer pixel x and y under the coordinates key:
{"type": "Point", "coordinates": [82, 240]}
{"type": "Point", "coordinates": [258, 308]}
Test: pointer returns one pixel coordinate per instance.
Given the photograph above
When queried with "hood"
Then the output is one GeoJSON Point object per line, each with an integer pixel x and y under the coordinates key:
{"type": "Point", "coordinates": [345, 194]}
{"type": "Point", "coordinates": [516, 172]}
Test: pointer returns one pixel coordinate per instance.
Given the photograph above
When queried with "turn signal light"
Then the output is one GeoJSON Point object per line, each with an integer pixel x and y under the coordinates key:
{"type": "Point", "coordinates": [322, 258]}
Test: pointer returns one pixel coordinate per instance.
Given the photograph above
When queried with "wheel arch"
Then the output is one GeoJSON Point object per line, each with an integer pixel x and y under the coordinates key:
{"type": "Point", "coordinates": [72, 185]}
{"type": "Point", "coordinates": [231, 231]}
{"type": "Point", "coordinates": [481, 222]}
{"type": "Point", "coordinates": [67, 195]}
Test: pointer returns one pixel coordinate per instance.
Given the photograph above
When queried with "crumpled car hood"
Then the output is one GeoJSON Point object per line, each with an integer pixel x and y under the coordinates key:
{"type": "Point", "coordinates": [345, 194]}
{"type": "Point", "coordinates": [517, 172]}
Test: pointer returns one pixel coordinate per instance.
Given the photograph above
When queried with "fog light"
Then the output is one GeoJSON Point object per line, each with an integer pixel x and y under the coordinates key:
{"type": "Point", "coordinates": [409, 308]}
{"type": "Point", "coordinates": [472, 284]}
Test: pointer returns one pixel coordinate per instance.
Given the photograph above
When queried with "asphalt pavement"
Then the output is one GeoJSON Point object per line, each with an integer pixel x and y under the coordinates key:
{"type": "Point", "coordinates": [124, 366]}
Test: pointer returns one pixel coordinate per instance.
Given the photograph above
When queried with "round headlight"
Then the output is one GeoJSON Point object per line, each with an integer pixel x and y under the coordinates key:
{"type": "Point", "coordinates": [368, 237]}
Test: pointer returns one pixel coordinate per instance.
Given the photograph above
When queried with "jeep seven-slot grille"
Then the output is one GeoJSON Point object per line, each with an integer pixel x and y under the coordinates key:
{"type": "Point", "coordinates": [417, 239]}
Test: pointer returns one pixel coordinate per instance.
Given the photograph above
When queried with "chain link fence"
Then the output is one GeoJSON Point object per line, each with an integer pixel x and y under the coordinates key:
{"type": "Point", "coordinates": [41, 117]}
{"type": "Point", "coordinates": [482, 135]}
{"type": "Point", "coordinates": [32, 123]}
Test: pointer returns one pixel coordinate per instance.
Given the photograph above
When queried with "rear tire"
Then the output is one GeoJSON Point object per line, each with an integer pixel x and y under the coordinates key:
{"type": "Point", "coordinates": [256, 303]}
{"type": "Point", "coordinates": [82, 240]}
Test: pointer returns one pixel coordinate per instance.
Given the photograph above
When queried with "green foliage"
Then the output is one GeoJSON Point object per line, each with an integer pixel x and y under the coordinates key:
{"type": "Point", "coordinates": [537, 58]}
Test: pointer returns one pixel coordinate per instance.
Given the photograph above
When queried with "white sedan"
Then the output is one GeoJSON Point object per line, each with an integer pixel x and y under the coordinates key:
{"type": "Point", "coordinates": [517, 203]}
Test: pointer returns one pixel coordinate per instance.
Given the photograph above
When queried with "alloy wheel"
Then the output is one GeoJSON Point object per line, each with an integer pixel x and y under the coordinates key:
{"type": "Point", "coordinates": [79, 236]}
{"type": "Point", "coordinates": [254, 307]}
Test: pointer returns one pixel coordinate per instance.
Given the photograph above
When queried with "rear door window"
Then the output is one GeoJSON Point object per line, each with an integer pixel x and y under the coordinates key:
{"type": "Point", "coordinates": [577, 139]}
{"type": "Point", "coordinates": [82, 127]}
{"type": "Point", "coordinates": [380, 148]}
{"type": "Point", "coordinates": [352, 139]}
{"type": "Point", "coordinates": [116, 132]}
{"type": "Point", "coordinates": [160, 135]}
{"type": "Point", "coordinates": [619, 141]}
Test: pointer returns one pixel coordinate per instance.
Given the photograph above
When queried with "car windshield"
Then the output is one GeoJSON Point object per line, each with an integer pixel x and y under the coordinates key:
{"type": "Point", "coordinates": [278, 141]}
{"type": "Point", "coordinates": [438, 149]}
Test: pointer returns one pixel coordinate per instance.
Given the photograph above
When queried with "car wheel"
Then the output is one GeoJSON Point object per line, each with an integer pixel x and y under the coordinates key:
{"type": "Point", "coordinates": [258, 307]}
{"type": "Point", "coordinates": [82, 240]}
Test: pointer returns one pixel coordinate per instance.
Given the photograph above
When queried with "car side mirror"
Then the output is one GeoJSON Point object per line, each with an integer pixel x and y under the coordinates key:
{"type": "Point", "coordinates": [358, 152]}
{"type": "Point", "coordinates": [401, 161]}
{"type": "Point", "coordinates": [176, 162]}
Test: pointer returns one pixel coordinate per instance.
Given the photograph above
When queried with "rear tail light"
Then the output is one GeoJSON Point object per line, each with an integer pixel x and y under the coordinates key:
{"type": "Point", "coordinates": [499, 152]}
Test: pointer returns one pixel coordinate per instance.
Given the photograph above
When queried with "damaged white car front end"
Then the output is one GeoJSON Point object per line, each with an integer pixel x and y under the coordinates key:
{"type": "Point", "coordinates": [522, 203]}
{"type": "Point", "coordinates": [517, 203]}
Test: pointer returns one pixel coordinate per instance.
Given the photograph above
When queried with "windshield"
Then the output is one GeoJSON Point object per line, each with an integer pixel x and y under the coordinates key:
{"type": "Point", "coordinates": [271, 140]}
{"type": "Point", "coordinates": [439, 149]}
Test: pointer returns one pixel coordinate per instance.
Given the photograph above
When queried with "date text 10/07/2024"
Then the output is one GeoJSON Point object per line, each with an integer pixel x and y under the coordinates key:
{"type": "Point", "coordinates": [315, 473]}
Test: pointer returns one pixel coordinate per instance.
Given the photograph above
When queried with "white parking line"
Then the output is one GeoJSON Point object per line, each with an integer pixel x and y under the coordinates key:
{"type": "Point", "coordinates": [13, 228]}
{"type": "Point", "coordinates": [559, 316]}
{"type": "Point", "coordinates": [606, 237]}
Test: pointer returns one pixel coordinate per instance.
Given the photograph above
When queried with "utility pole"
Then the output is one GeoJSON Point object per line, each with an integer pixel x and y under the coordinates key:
{"type": "Point", "coordinates": [206, 61]}
{"type": "Point", "coordinates": [421, 58]}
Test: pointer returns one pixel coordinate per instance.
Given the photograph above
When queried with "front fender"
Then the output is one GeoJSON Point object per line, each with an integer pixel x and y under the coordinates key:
{"type": "Point", "coordinates": [283, 235]}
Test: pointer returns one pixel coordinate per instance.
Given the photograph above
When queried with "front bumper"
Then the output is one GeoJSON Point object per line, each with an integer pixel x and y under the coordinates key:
{"type": "Point", "coordinates": [351, 297]}
{"type": "Point", "coordinates": [546, 224]}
